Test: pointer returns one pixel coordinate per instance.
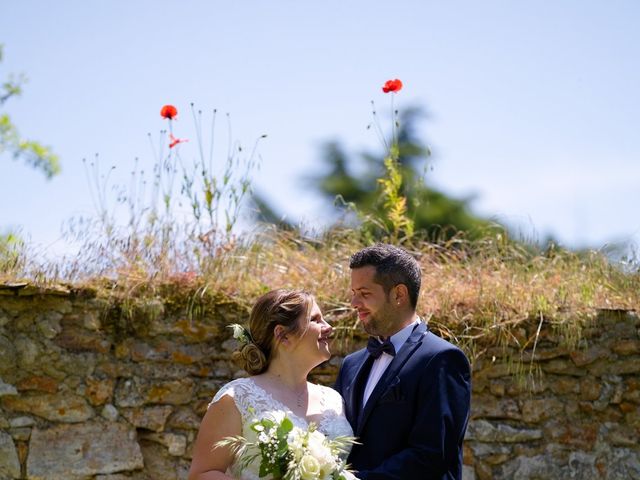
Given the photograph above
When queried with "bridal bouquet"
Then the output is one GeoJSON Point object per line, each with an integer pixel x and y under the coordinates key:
{"type": "Point", "coordinates": [288, 452]}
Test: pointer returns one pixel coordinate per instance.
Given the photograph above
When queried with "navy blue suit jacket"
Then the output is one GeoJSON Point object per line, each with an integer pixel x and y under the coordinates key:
{"type": "Point", "coordinates": [414, 422]}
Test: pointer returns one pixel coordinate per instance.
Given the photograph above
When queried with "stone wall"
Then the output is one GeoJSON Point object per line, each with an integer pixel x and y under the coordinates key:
{"type": "Point", "coordinates": [92, 389]}
{"type": "Point", "coordinates": [579, 418]}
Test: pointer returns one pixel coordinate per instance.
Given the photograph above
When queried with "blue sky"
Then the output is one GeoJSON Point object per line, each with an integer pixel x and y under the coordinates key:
{"type": "Point", "coordinates": [533, 105]}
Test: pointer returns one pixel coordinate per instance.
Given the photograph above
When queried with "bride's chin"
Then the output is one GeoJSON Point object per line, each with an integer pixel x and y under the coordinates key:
{"type": "Point", "coordinates": [325, 354]}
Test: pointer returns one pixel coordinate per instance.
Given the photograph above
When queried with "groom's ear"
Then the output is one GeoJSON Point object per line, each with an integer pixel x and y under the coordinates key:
{"type": "Point", "coordinates": [400, 295]}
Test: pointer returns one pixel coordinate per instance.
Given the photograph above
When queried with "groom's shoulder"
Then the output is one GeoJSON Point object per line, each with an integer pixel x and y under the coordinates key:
{"type": "Point", "coordinates": [434, 346]}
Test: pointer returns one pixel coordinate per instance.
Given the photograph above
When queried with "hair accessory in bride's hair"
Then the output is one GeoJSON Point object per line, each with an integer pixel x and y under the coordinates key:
{"type": "Point", "coordinates": [241, 334]}
{"type": "Point", "coordinates": [249, 355]}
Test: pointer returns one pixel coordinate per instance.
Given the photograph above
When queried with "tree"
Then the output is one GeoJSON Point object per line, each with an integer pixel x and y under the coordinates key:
{"type": "Point", "coordinates": [356, 179]}
{"type": "Point", "coordinates": [32, 152]}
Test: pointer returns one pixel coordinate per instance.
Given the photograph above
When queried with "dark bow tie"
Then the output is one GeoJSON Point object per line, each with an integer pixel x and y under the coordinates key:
{"type": "Point", "coordinates": [375, 348]}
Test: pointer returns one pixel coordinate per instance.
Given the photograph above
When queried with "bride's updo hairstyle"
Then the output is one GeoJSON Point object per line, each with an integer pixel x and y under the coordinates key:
{"type": "Point", "coordinates": [277, 307]}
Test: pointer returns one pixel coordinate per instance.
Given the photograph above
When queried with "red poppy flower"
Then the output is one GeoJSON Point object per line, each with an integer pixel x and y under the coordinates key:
{"type": "Point", "coordinates": [168, 111]}
{"type": "Point", "coordinates": [175, 141]}
{"type": "Point", "coordinates": [392, 86]}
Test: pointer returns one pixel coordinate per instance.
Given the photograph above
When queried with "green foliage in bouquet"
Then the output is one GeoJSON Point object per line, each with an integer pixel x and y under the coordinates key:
{"type": "Point", "coordinates": [287, 452]}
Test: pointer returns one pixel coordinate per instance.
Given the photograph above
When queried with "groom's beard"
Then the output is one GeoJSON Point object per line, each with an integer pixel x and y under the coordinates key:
{"type": "Point", "coordinates": [380, 323]}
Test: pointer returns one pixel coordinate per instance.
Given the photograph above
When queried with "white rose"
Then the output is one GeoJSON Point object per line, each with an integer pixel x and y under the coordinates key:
{"type": "Point", "coordinates": [316, 438]}
{"type": "Point", "coordinates": [316, 444]}
{"type": "Point", "coordinates": [309, 468]}
{"type": "Point", "coordinates": [322, 453]}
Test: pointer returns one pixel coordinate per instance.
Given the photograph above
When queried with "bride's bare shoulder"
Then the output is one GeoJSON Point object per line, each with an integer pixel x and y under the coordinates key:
{"type": "Point", "coordinates": [229, 390]}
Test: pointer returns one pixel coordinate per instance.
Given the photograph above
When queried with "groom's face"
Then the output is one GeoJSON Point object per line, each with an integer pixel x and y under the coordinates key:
{"type": "Point", "coordinates": [375, 311]}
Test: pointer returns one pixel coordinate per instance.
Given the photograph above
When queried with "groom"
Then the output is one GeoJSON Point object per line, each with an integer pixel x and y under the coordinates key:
{"type": "Point", "coordinates": [408, 393]}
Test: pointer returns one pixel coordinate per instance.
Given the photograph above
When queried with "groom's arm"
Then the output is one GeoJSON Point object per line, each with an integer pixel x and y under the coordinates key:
{"type": "Point", "coordinates": [435, 441]}
{"type": "Point", "coordinates": [338, 385]}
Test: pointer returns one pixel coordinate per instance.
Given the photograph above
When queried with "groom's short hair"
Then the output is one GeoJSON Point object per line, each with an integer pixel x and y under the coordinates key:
{"type": "Point", "coordinates": [393, 266]}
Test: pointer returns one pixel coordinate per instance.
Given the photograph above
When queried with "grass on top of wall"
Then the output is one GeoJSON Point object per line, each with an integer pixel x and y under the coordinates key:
{"type": "Point", "coordinates": [476, 293]}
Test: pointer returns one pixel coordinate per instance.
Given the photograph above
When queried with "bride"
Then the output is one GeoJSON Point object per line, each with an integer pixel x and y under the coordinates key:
{"type": "Point", "coordinates": [287, 338]}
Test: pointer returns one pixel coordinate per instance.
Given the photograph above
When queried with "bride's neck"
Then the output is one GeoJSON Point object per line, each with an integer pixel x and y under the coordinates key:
{"type": "Point", "coordinates": [289, 374]}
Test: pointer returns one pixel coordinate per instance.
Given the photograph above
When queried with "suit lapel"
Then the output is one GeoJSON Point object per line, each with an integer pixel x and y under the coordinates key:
{"type": "Point", "coordinates": [355, 388]}
{"type": "Point", "coordinates": [410, 346]}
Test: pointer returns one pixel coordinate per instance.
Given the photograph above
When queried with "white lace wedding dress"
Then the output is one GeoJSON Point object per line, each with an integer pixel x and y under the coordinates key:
{"type": "Point", "coordinates": [253, 401]}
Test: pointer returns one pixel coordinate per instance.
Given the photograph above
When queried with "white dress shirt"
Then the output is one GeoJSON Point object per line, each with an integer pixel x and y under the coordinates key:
{"type": "Point", "coordinates": [381, 363]}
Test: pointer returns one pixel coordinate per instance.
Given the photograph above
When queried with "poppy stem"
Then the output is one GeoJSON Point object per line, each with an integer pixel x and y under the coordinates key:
{"type": "Point", "coordinates": [394, 133]}
{"type": "Point", "coordinates": [213, 126]}
{"type": "Point", "coordinates": [198, 123]}
{"type": "Point", "coordinates": [230, 146]}
{"type": "Point", "coordinates": [378, 129]}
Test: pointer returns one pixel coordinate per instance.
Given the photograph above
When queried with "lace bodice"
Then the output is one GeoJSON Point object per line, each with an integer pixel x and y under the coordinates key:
{"type": "Point", "coordinates": [253, 401]}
